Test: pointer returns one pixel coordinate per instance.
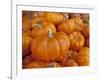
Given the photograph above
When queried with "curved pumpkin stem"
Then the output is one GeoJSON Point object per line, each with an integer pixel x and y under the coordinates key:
{"type": "Point", "coordinates": [37, 25]}
{"type": "Point", "coordinates": [50, 33]}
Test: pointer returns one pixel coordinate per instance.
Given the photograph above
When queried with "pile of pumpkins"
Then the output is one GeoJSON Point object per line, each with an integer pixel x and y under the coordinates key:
{"type": "Point", "coordinates": [54, 39]}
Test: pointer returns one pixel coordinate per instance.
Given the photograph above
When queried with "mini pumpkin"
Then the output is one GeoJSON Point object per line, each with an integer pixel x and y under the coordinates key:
{"type": "Point", "coordinates": [49, 48]}
{"type": "Point", "coordinates": [83, 57]}
{"type": "Point", "coordinates": [85, 30]}
{"type": "Point", "coordinates": [53, 17]}
{"type": "Point", "coordinates": [78, 23]}
{"type": "Point", "coordinates": [26, 43]}
{"type": "Point", "coordinates": [76, 40]}
{"type": "Point", "coordinates": [40, 27]}
{"type": "Point", "coordinates": [66, 26]}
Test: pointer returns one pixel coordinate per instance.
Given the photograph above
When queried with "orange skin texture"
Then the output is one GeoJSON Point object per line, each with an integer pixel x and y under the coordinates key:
{"type": "Point", "coordinates": [40, 27]}
{"type": "Point", "coordinates": [42, 30]}
{"type": "Point", "coordinates": [78, 23]}
{"type": "Point", "coordinates": [77, 40]}
{"type": "Point", "coordinates": [26, 23]}
{"type": "Point", "coordinates": [85, 30]}
{"type": "Point", "coordinates": [66, 26]}
{"type": "Point", "coordinates": [50, 48]}
{"type": "Point", "coordinates": [26, 43]}
{"type": "Point", "coordinates": [83, 57]}
{"type": "Point", "coordinates": [54, 18]}
{"type": "Point", "coordinates": [33, 65]}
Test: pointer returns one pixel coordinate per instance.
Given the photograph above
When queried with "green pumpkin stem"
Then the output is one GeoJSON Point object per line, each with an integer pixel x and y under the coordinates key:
{"type": "Point", "coordinates": [50, 33]}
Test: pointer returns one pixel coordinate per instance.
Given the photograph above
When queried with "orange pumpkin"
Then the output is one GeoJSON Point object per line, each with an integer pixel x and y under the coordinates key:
{"type": "Point", "coordinates": [67, 26]}
{"type": "Point", "coordinates": [83, 57]}
{"type": "Point", "coordinates": [26, 23]}
{"type": "Point", "coordinates": [41, 27]}
{"type": "Point", "coordinates": [26, 43]}
{"type": "Point", "coordinates": [53, 17]}
{"type": "Point", "coordinates": [51, 47]}
{"type": "Point", "coordinates": [85, 30]}
{"type": "Point", "coordinates": [76, 40]}
{"type": "Point", "coordinates": [69, 63]}
{"type": "Point", "coordinates": [78, 23]}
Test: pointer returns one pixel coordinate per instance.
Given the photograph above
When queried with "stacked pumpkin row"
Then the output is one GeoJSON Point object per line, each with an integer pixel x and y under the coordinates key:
{"type": "Point", "coordinates": [52, 39]}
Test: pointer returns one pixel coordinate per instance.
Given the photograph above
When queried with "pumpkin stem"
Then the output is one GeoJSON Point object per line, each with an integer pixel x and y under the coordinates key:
{"type": "Point", "coordinates": [50, 33]}
{"type": "Point", "coordinates": [52, 65]}
{"type": "Point", "coordinates": [37, 25]}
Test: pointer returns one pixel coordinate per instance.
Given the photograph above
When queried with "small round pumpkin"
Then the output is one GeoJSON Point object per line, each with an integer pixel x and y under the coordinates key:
{"type": "Point", "coordinates": [66, 26]}
{"type": "Point", "coordinates": [83, 57]}
{"type": "Point", "coordinates": [26, 44]}
{"type": "Point", "coordinates": [78, 23]}
{"type": "Point", "coordinates": [76, 40]}
{"type": "Point", "coordinates": [53, 17]}
{"type": "Point", "coordinates": [49, 48]}
{"type": "Point", "coordinates": [40, 27]}
{"type": "Point", "coordinates": [85, 30]}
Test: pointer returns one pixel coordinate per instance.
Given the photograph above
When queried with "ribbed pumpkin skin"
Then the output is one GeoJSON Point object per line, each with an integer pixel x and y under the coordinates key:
{"type": "Point", "coordinates": [78, 23]}
{"type": "Point", "coordinates": [50, 48]}
{"type": "Point", "coordinates": [55, 18]}
{"type": "Point", "coordinates": [83, 57]}
{"type": "Point", "coordinates": [40, 27]}
{"type": "Point", "coordinates": [77, 40]}
{"type": "Point", "coordinates": [67, 26]}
